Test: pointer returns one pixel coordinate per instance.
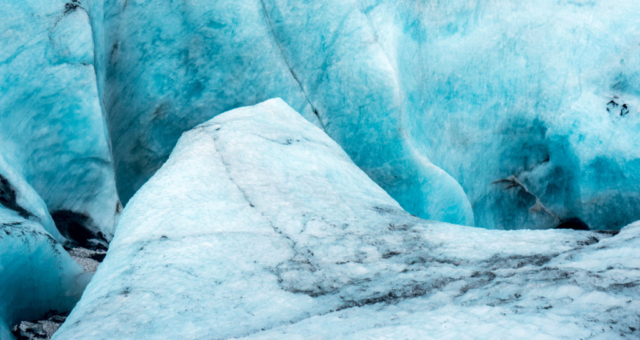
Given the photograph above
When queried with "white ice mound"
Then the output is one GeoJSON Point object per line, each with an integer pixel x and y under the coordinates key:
{"type": "Point", "coordinates": [36, 273]}
{"type": "Point", "coordinates": [259, 225]}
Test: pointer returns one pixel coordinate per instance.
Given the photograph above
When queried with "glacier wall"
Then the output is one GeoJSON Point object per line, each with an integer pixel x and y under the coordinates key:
{"type": "Point", "coordinates": [437, 102]}
{"type": "Point", "coordinates": [52, 130]}
{"type": "Point", "coordinates": [487, 113]}
{"type": "Point", "coordinates": [546, 91]}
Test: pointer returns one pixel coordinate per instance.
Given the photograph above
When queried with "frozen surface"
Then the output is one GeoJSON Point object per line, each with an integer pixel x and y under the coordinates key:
{"type": "Point", "coordinates": [590, 292]}
{"type": "Point", "coordinates": [259, 225]}
{"type": "Point", "coordinates": [36, 273]}
{"type": "Point", "coordinates": [52, 130]}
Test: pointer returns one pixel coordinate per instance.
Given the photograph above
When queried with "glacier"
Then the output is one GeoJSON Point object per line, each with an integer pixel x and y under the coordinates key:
{"type": "Point", "coordinates": [52, 128]}
{"type": "Point", "coordinates": [260, 226]}
{"type": "Point", "coordinates": [436, 102]}
{"type": "Point", "coordinates": [345, 207]}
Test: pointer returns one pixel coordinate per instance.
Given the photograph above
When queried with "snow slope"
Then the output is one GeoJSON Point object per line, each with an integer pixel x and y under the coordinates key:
{"type": "Point", "coordinates": [260, 226]}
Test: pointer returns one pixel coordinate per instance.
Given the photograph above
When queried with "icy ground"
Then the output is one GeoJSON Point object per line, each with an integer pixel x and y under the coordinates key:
{"type": "Point", "coordinates": [260, 226]}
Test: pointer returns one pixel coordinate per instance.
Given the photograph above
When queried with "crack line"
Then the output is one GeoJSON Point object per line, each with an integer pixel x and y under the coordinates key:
{"type": "Point", "coordinates": [281, 49]}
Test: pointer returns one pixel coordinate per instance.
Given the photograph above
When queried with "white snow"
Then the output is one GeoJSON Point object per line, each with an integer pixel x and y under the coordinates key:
{"type": "Point", "coordinates": [260, 226]}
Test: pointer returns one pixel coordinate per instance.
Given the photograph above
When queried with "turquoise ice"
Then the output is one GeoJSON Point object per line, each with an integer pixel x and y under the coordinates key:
{"type": "Point", "coordinates": [36, 273]}
{"type": "Point", "coordinates": [52, 129]}
{"type": "Point", "coordinates": [437, 103]}
{"type": "Point", "coordinates": [264, 222]}
{"type": "Point", "coordinates": [434, 101]}
{"type": "Point", "coordinates": [546, 91]}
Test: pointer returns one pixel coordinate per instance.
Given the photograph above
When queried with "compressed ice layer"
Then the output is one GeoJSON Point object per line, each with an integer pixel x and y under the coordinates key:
{"type": "Point", "coordinates": [259, 225]}
{"type": "Point", "coordinates": [36, 273]}
{"type": "Point", "coordinates": [435, 102]}
{"type": "Point", "coordinates": [544, 90]}
{"type": "Point", "coordinates": [52, 130]}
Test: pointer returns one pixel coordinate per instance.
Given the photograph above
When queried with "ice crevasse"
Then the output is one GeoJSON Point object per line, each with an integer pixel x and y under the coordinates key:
{"type": "Point", "coordinates": [259, 226]}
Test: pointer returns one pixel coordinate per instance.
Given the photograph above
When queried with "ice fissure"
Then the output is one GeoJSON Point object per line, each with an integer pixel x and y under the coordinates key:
{"type": "Point", "coordinates": [293, 73]}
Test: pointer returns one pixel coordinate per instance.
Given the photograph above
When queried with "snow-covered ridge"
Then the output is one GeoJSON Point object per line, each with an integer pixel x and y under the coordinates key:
{"type": "Point", "coordinates": [259, 225]}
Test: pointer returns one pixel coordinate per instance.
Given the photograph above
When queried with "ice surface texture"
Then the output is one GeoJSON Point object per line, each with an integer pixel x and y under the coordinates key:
{"type": "Point", "coordinates": [544, 90]}
{"type": "Point", "coordinates": [435, 101]}
{"type": "Point", "coordinates": [259, 225]}
{"type": "Point", "coordinates": [52, 130]}
{"type": "Point", "coordinates": [36, 273]}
